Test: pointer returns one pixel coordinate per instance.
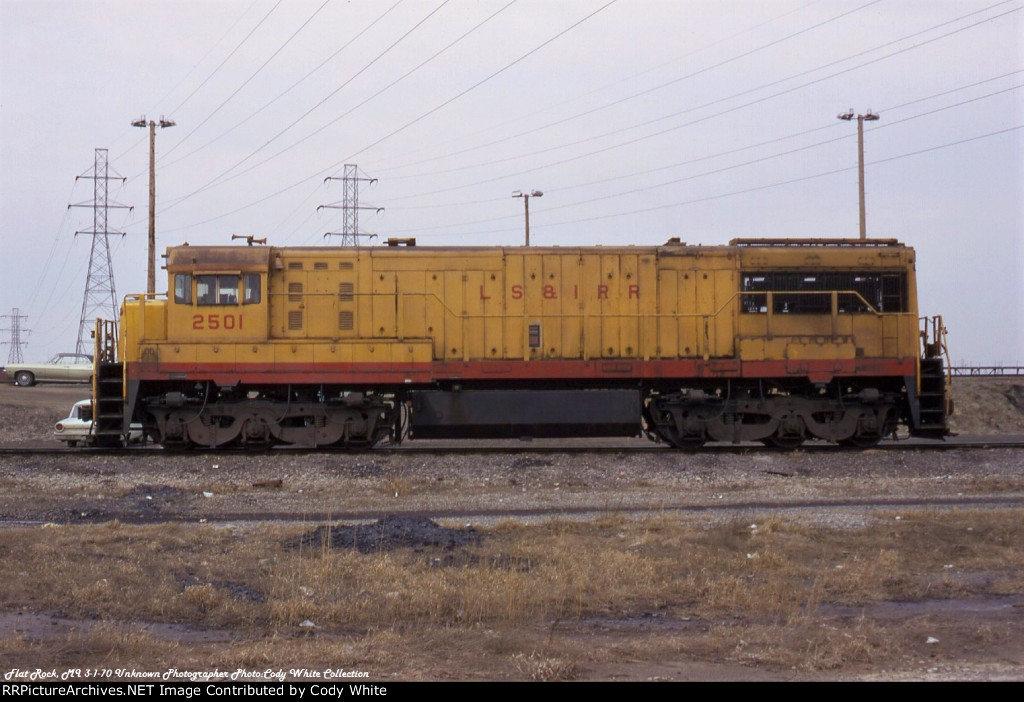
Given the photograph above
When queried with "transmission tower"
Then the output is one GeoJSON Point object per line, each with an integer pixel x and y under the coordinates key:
{"type": "Point", "coordinates": [350, 206]}
{"type": "Point", "coordinates": [100, 299]}
{"type": "Point", "coordinates": [16, 331]}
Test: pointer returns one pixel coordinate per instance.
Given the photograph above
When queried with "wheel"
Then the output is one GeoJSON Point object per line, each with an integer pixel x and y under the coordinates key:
{"type": "Point", "coordinates": [670, 434]}
{"type": "Point", "coordinates": [681, 441]}
{"type": "Point", "coordinates": [24, 379]}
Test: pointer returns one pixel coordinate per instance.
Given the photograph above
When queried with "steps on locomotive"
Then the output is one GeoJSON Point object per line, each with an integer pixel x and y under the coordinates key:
{"type": "Point", "coordinates": [108, 427]}
{"type": "Point", "coordinates": [932, 398]}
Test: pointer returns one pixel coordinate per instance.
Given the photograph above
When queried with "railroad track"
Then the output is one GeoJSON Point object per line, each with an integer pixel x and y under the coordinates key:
{"type": "Point", "coordinates": [527, 447]}
{"type": "Point", "coordinates": [723, 507]}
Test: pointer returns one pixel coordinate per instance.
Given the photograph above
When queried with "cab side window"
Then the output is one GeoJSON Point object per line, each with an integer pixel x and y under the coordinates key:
{"type": "Point", "coordinates": [217, 289]}
{"type": "Point", "coordinates": [251, 291]}
{"type": "Point", "coordinates": [183, 289]}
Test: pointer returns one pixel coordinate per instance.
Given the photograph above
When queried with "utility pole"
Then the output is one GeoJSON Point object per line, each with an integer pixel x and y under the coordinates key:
{"type": "Point", "coordinates": [16, 330]}
{"type": "Point", "coordinates": [100, 297]}
{"type": "Point", "coordinates": [350, 206]}
{"type": "Point", "coordinates": [526, 205]}
{"type": "Point", "coordinates": [869, 117]}
{"type": "Point", "coordinates": [141, 122]}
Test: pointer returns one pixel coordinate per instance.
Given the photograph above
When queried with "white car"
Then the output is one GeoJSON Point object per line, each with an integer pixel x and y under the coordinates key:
{"type": "Point", "coordinates": [62, 368]}
{"type": "Point", "coordinates": [77, 426]}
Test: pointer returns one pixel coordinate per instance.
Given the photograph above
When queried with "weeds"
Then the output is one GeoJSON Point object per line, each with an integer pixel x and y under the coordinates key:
{"type": "Point", "coordinates": [773, 576]}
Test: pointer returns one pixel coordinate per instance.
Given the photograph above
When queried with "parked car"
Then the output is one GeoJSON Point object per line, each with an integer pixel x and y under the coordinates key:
{"type": "Point", "coordinates": [77, 427]}
{"type": "Point", "coordinates": [62, 368]}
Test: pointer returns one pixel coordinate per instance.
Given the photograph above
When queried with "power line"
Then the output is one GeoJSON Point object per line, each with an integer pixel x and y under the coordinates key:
{"type": "Point", "coordinates": [709, 198]}
{"type": "Point", "coordinates": [745, 54]}
{"type": "Point", "coordinates": [251, 77]}
{"type": "Point", "coordinates": [220, 179]}
{"type": "Point", "coordinates": [533, 131]}
{"type": "Point", "coordinates": [628, 79]}
{"type": "Point", "coordinates": [368, 99]}
{"type": "Point", "coordinates": [121, 155]}
{"type": "Point", "coordinates": [481, 82]}
{"type": "Point", "coordinates": [228, 57]}
{"type": "Point", "coordinates": [291, 87]}
{"type": "Point", "coordinates": [719, 154]}
{"type": "Point", "coordinates": [379, 92]}
{"type": "Point", "coordinates": [792, 181]}
{"type": "Point", "coordinates": [663, 132]}
{"type": "Point", "coordinates": [209, 51]}
{"type": "Point", "coordinates": [406, 125]}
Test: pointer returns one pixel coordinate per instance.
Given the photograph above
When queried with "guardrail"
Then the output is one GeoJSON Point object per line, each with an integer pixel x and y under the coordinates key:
{"type": "Point", "coordinates": [987, 371]}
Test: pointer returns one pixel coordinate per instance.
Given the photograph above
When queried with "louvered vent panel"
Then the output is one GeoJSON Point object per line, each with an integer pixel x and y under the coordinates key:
{"type": "Point", "coordinates": [294, 320]}
{"type": "Point", "coordinates": [346, 292]}
{"type": "Point", "coordinates": [346, 321]}
{"type": "Point", "coordinates": [294, 292]}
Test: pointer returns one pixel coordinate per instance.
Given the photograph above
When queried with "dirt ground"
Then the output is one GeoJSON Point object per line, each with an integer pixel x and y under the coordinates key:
{"type": "Point", "coordinates": [931, 605]}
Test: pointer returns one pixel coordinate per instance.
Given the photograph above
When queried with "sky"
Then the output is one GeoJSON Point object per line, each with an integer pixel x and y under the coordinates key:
{"type": "Point", "coordinates": [639, 120]}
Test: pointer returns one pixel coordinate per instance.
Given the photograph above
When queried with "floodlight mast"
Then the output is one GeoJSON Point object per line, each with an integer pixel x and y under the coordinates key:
{"type": "Point", "coordinates": [526, 205]}
{"type": "Point", "coordinates": [869, 117]}
{"type": "Point", "coordinates": [163, 123]}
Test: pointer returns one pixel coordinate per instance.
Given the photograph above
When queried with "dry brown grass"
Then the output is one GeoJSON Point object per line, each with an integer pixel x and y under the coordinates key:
{"type": "Point", "coordinates": [532, 602]}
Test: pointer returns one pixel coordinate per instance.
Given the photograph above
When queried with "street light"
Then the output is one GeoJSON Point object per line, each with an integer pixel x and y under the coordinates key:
{"type": "Point", "coordinates": [869, 117]}
{"type": "Point", "coordinates": [526, 204]}
{"type": "Point", "coordinates": [141, 122]}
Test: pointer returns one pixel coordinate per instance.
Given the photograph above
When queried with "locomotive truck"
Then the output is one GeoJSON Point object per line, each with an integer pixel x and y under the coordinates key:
{"type": "Point", "coordinates": [777, 341]}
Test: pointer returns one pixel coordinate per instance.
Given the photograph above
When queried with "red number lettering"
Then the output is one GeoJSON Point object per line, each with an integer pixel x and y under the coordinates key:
{"type": "Point", "coordinates": [517, 292]}
{"type": "Point", "coordinates": [482, 296]}
{"type": "Point", "coordinates": [214, 321]}
{"type": "Point", "coordinates": [634, 291]}
{"type": "Point", "coordinates": [549, 292]}
{"type": "Point", "coordinates": [602, 292]}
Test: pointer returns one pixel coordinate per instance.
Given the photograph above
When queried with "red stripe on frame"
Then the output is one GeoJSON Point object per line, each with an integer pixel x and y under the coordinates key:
{"type": "Point", "coordinates": [424, 373]}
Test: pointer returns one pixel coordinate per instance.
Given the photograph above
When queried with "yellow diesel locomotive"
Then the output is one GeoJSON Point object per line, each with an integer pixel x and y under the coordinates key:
{"type": "Point", "coordinates": [778, 341]}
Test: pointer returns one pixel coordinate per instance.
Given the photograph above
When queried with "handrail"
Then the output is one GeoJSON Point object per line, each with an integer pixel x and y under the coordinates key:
{"type": "Point", "coordinates": [641, 318]}
{"type": "Point", "coordinates": [465, 315]}
{"type": "Point", "coordinates": [135, 297]}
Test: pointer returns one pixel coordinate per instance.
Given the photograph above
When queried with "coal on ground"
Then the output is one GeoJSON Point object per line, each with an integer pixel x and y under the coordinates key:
{"type": "Point", "coordinates": [390, 532]}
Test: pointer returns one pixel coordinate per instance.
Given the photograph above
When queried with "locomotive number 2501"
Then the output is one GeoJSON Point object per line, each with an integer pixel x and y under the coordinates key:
{"type": "Point", "coordinates": [216, 321]}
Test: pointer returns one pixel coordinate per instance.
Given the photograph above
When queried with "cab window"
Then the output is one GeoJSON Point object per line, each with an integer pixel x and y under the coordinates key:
{"type": "Point", "coordinates": [183, 289]}
{"type": "Point", "coordinates": [251, 292]}
{"type": "Point", "coordinates": [217, 289]}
